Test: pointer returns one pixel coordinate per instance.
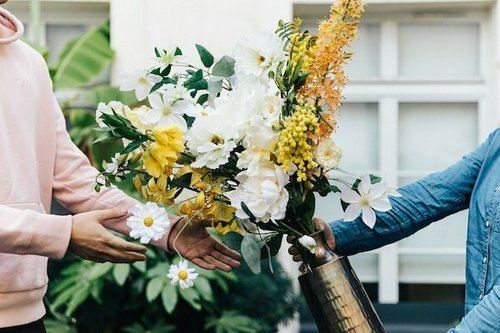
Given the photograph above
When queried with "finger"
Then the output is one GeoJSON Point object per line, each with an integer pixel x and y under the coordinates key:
{"type": "Point", "coordinates": [293, 250]}
{"type": "Point", "coordinates": [202, 263]}
{"type": "Point", "coordinates": [227, 251]}
{"type": "Point", "coordinates": [302, 268]}
{"type": "Point", "coordinates": [122, 257]}
{"type": "Point", "coordinates": [319, 223]}
{"type": "Point", "coordinates": [110, 214]}
{"type": "Point", "coordinates": [121, 244]}
{"type": "Point", "coordinates": [290, 238]}
{"type": "Point", "coordinates": [225, 259]}
{"type": "Point", "coordinates": [297, 258]}
{"type": "Point", "coordinates": [220, 265]}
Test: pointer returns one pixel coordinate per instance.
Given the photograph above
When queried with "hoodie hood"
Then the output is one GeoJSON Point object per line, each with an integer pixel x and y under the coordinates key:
{"type": "Point", "coordinates": [11, 29]}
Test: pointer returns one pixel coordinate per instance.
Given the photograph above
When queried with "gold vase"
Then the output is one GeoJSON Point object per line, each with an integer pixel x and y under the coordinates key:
{"type": "Point", "coordinates": [336, 297]}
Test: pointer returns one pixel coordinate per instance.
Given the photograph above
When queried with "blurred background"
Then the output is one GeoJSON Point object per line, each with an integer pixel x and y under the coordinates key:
{"type": "Point", "coordinates": [424, 91]}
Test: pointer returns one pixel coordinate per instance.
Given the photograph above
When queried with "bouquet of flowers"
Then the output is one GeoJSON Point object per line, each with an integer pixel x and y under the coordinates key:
{"type": "Point", "coordinates": [243, 141]}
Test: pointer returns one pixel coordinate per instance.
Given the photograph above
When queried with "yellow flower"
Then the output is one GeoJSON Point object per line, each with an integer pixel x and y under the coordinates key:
{"type": "Point", "coordinates": [210, 206]}
{"type": "Point", "coordinates": [295, 145]}
{"type": "Point", "coordinates": [161, 155]}
{"type": "Point", "coordinates": [224, 228]}
{"type": "Point", "coordinates": [156, 191]}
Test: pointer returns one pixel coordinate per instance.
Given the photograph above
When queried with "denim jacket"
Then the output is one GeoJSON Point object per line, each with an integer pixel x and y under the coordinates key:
{"type": "Point", "coordinates": [474, 183]}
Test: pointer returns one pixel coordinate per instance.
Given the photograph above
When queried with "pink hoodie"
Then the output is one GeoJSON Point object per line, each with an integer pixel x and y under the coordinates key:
{"type": "Point", "coordinates": [38, 160]}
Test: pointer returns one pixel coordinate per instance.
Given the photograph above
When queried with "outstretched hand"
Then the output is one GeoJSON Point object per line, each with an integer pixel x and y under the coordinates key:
{"type": "Point", "coordinates": [320, 226]}
{"type": "Point", "coordinates": [91, 241]}
{"type": "Point", "coordinates": [196, 245]}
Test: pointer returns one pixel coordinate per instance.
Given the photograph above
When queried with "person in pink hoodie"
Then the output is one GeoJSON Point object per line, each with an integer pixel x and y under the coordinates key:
{"type": "Point", "coordinates": [39, 162]}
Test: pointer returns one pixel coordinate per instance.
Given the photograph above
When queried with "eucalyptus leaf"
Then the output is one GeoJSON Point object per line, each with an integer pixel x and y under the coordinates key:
{"type": "Point", "coordinates": [224, 67]}
{"type": "Point", "coordinates": [250, 250]}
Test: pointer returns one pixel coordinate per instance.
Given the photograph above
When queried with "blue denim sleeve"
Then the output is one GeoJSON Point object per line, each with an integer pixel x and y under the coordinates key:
{"type": "Point", "coordinates": [484, 317]}
{"type": "Point", "coordinates": [423, 202]}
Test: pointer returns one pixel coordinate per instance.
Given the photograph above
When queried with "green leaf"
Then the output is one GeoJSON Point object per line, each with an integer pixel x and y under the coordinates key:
{"type": "Point", "coordinates": [192, 297]}
{"type": "Point", "coordinates": [273, 246]}
{"type": "Point", "coordinates": [120, 273]}
{"type": "Point", "coordinates": [214, 234]}
{"type": "Point", "coordinates": [169, 298]}
{"type": "Point", "coordinates": [206, 57]}
{"type": "Point", "coordinates": [140, 266]}
{"type": "Point", "coordinates": [84, 58]}
{"type": "Point", "coordinates": [154, 288]}
{"type": "Point", "coordinates": [232, 240]}
{"type": "Point", "coordinates": [250, 250]}
{"type": "Point", "coordinates": [99, 270]}
{"type": "Point", "coordinates": [204, 289]}
{"type": "Point", "coordinates": [202, 99]}
{"type": "Point", "coordinates": [78, 298]}
{"type": "Point", "coordinates": [224, 67]}
{"type": "Point", "coordinates": [247, 211]}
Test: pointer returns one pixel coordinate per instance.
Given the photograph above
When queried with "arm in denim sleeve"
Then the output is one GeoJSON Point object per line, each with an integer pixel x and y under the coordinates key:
{"type": "Point", "coordinates": [423, 202]}
{"type": "Point", "coordinates": [483, 317]}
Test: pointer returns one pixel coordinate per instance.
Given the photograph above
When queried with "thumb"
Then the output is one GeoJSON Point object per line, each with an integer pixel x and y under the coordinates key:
{"type": "Point", "coordinates": [323, 226]}
{"type": "Point", "coordinates": [110, 214]}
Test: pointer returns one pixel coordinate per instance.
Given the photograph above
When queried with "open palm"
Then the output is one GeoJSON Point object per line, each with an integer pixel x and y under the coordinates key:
{"type": "Point", "coordinates": [195, 244]}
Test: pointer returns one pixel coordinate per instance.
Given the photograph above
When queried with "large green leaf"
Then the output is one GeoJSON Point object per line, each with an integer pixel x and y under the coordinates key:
{"type": "Point", "coordinates": [84, 58]}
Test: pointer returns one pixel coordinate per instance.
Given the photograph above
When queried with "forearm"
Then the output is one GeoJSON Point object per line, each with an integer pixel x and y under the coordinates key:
{"type": "Point", "coordinates": [24, 231]}
{"type": "Point", "coordinates": [484, 317]}
{"type": "Point", "coordinates": [422, 203]}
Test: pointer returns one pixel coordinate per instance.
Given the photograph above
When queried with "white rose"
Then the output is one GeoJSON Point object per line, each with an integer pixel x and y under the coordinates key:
{"type": "Point", "coordinates": [328, 154]}
{"type": "Point", "coordinates": [264, 194]}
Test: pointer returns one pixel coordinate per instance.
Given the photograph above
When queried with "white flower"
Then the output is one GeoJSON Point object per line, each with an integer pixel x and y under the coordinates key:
{"type": "Point", "coordinates": [148, 222]}
{"type": "Point", "coordinates": [167, 57]}
{"type": "Point", "coordinates": [113, 166]}
{"type": "Point", "coordinates": [258, 54]}
{"type": "Point", "coordinates": [181, 274]}
{"type": "Point", "coordinates": [164, 112]}
{"type": "Point", "coordinates": [141, 81]}
{"type": "Point", "coordinates": [309, 243]}
{"type": "Point", "coordinates": [103, 108]}
{"type": "Point", "coordinates": [370, 198]}
{"type": "Point", "coordinates": [211, 139]}
{"type": "Point", "coordinates": [264, 194]}
{"type": "Point", "coordinates": [328, 154]}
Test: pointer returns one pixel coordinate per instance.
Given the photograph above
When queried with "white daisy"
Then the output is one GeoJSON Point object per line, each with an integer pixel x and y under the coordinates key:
{"type": "Point", "coordinates": [141, 81]}
{"type": "Point", "coordinates": [181, 274]}
{"type": "Point", "coordinates": [368, 199]}
{"type": "Point", "coordinates": [148, 222]}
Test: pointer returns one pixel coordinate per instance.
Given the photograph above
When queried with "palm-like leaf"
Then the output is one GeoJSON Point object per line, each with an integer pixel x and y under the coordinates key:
{"type": "Point", "coordinates": [84, 58]}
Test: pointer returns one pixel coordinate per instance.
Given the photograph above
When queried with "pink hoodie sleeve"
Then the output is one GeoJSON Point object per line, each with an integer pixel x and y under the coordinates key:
{"type": "Point", "coordinates": [30, 232]}
{"type": "Point", "coordinates": [74, 180]}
